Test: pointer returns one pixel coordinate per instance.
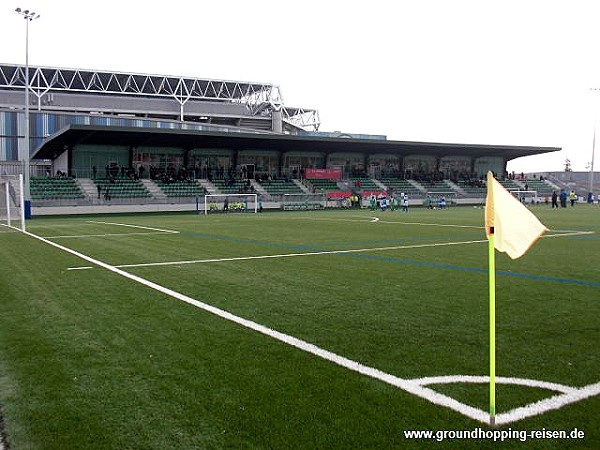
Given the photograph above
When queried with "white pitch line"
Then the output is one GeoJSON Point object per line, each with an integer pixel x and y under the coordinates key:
{"type": "Point", "coordinates": [370, 219]}
{"type": "Point", "coordinates": [378, 220]}
{"type": "Point", "coordinates": [568, 394]}
{"type": "Point", "coordinates": [410, 386]}
{"type": "Point", "coordinates": [7, 228]}
{"type": "Point", "coordinates": [424, 224]}
{"type": "Point", "coordinates": [103, 235]}
{"type": "Point", "coordinates": [571, 233]}
{"type": "Point", "coordinates": [291, 255]}
{"type": "Point", "coordinates": [135, 226]}
{"type": "Point", "coordinates": [451, 379]}
{"type": "Point", "coordinates": [549, 404]}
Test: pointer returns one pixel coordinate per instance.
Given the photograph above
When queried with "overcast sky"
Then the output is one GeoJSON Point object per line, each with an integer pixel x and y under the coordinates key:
{"type": "Point", "coordinates": [457, 71]}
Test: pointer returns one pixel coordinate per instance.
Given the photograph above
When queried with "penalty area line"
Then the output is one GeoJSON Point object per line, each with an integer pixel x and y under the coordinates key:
{"type": "Point", "coordinates": [67, 236]}
{"type": "Point", "coordinates": [134, 226]}
{"type": "Point", "coordinates": [292, 255]}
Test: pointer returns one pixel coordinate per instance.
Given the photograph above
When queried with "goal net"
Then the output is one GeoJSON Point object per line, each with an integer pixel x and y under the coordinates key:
{"type": "Point", "coordinates": [440, 200]}
{"type": "Point", "coordinates": [230, 203]}
{"type": "Point", "coordinates": [293, 202]}
{"type": "Point", "coordinates": [530, 197]}
{"type": "Point", "coordinates": [12, 203]}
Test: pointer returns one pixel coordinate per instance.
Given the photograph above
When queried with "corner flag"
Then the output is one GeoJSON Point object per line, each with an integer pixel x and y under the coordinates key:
{"type": "Point", "coordinates": [514, 227]}
{"type": "Point", "coordinates": [510, 228]}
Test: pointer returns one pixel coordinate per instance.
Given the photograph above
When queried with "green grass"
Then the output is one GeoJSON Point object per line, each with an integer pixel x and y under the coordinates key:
{"type": "Point", "coordinates": [92, 360]}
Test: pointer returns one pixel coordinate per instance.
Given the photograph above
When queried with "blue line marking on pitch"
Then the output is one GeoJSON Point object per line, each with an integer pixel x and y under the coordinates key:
{"type": "Point", "coordinates": [316, 248]}
{"type": "Point", "coordinates": [475, 270]}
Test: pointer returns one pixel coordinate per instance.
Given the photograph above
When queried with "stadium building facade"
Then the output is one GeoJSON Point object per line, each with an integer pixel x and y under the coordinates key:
{"type": "Point", "coordinates": [87, 124]}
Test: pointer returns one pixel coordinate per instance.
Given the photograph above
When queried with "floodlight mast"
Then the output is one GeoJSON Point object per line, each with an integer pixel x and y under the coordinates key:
{"type": "Point", "coordinates": [593, 151]}
{"type": "Point", "coordinates": [28, 16]}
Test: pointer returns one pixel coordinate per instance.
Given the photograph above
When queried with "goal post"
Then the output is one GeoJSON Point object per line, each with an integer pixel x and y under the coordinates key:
{"type": "Point", "coordinates": [12, 202]}
{"type": "Point", "coordinates": [230, 203]}
{"type": "Point", "coordinates": [530, 197]}
{"type": "Point", "coordinates": [295, 202]}
{"type": "Point", "coordinates": [440, 199]}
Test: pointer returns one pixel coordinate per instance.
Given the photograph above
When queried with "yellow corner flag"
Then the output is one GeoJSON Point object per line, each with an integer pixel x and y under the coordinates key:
{"type": "Point", "coordinates": [514, 227]}
{"type": "Point", "coordinates": [510, 228]}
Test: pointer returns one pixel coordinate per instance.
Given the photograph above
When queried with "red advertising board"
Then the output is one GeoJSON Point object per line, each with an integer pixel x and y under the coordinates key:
{"type": "Point", "coordinates": [368, 194]}
{"type": "Point", "coordinates": [338, 194]}
{"type": "Point", "coordinates": [332, 174]}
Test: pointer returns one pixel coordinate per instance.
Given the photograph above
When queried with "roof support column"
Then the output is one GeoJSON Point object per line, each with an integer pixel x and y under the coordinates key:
{"type": "Point", "coordinates": [281, 163]}
{"type": "Point", "coordinates": [130, 156]}
{"type": "Point", "coordinates": [235, 157]}
{"type": "Point", "coordinates": [401, 167]}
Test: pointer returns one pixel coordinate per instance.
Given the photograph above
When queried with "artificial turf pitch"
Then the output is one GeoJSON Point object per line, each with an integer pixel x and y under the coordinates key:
{"type": "Point", "coordinates": [91, 359]}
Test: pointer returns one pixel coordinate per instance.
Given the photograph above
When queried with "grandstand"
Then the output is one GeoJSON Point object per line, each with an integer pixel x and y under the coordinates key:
{"type": "Point", "coordinates": [280, 187]}
{"type": "Point", "coordinates": [403, 186]}
{"type": "Point", "coordinates": [322, 184]}
{"type": "Point", "coordinates": [326, 186]}
{"type": "Point", "coordinates": [231, 186]}
{"type": "Point", "coordinates": [471, 188]}
{"type": "Point", "coordinates": [436, 187]}
{"type": "Point", "coordinates": [90, 124]}
{"type": "Point", "coordinates": [176, 188]}
{"type": "Point", "coordinates": [55, 188]}
{"type": "Point", "coordinates": [121, 188]}
{"type": "Point", "coordinates": [364, 183]}
{"type": "Point", "coordinates": [511, 185]}
{"type": "Point", "coordinates": [543, 188]}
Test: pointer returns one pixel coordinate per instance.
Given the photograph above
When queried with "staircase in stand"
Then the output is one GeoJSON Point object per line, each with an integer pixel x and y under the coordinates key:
{"type": "Point", "coordinates": [88, 187]}
{"type": "Point", "coordinates": [208, 186]}
{"type": "Point", "coordinates": [154, 190]}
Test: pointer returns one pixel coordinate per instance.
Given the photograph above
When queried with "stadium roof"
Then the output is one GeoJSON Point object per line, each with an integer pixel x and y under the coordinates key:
{"type": "Point", "coordinates": [75, 134]}
{"type": "Point", "coordinates": [258, 98]}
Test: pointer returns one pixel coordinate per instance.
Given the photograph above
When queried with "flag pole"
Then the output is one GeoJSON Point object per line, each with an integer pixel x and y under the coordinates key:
{"type": "Point", "coordinates": [492, 287]}
{"type": "Point", "coordinates": [516, 234]}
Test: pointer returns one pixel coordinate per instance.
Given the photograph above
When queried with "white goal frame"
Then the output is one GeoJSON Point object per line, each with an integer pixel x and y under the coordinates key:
{"type": "Point", "coordinates": [305, 201]}
{"type": "Point", "coordinates": [251, 208]}
{"type": "Point", "coordinates": [13, 201]}
{"type": "Point", "coordinates": [450, 197]}
{"type": "Point", "coordinates": [530, 197]}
